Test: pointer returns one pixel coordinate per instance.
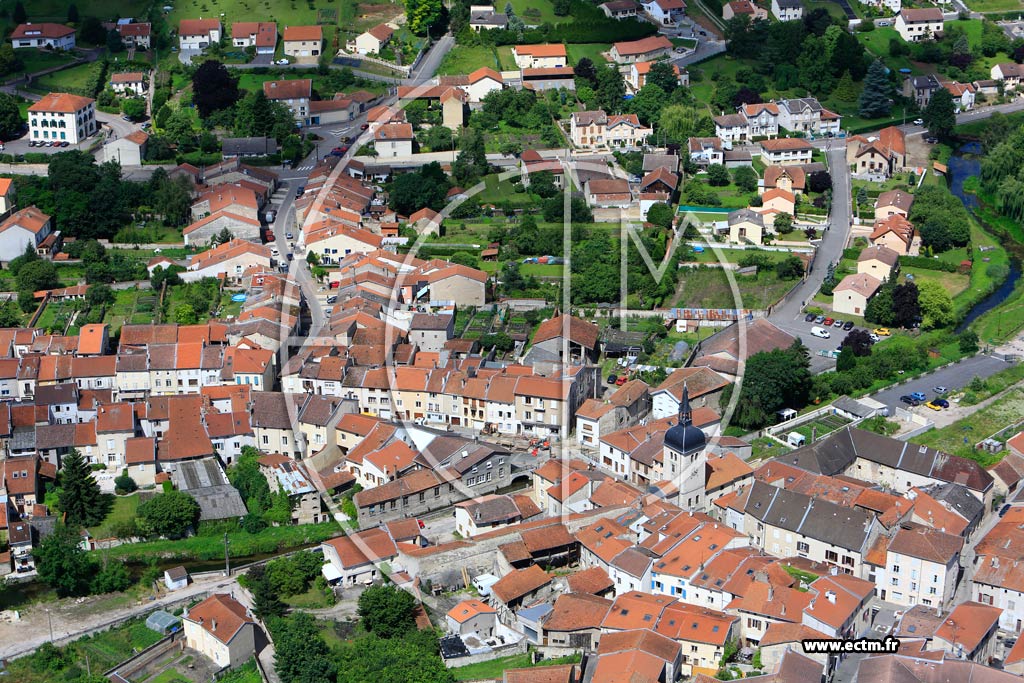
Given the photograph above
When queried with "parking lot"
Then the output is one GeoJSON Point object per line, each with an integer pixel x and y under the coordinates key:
{"type": "Point", "coordinates": [954, 378]}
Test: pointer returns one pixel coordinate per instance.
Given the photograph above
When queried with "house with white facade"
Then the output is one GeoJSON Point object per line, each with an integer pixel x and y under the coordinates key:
{"type": "Point", "coordinates": [198, 34]}
{"type": "Point", "coordinates": [43, 35]}
{"type": "Point", "coordinates": [62, 117]}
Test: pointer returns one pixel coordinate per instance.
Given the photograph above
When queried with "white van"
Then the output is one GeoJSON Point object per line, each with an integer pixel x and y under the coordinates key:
{"type": "Point", "coordinates": [821, 332]}
{"type": "Point", "coordinates": [796, 439]}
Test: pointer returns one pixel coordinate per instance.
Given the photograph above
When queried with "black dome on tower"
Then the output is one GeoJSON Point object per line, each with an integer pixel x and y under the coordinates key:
{"type": "Point", "coordinates": [684, 437]}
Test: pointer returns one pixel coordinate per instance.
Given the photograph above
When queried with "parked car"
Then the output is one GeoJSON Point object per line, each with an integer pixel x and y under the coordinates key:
{"type": "Point", "coordinates": [874, 337]}
{"type": "Point", "coordinates": [281, 62]}
{"type": "Point", "coordinates": [931, 139]}
{"type": "Point", "coordinates": [837, 323]}
{"type": "Point", "coordinates": [288, 235]}
{"type": "Point", "coordinates": [882, 331]}
{"type": "Point", "coordinates": [828, 322]}
{"type": "Point", "coordinates": [621, 380]}
{"type": "Point", "coordinates": [809, 318]}
{"type": "Point", "coordinates": [820, 319]}
{"type": "Point", "coordinates": [918, 395]}
{"type": "Point", "coordinates": [940, 389]}
{"type": "Point", "coordinates": [941, 402]}
{"type": "Point", "coordinates": [884, 22]}
{"type": "Point", "coordinates": [918, 122]}
{"type": "Point", "coordinates": [612, 379]}
{"type": "Point", "coordinates": [332, 299]}
{"type": "Point", "coordinates": [932, 405]}
{"type": "Point", "coordinates": [364, 126]}
{"type": "Point", "coordinates": [291, 256]}
{"type": "Point", "coordinates": [910, 400]}
{"type": "Point", "coordinates": [821, 332]}
{"type": "Point", "coordinates": [848, 325]}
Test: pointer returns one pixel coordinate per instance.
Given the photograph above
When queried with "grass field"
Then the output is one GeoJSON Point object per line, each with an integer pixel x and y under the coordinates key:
{"type": "Point", "coordinates": [495, 667]}
{"type": "Point", "coordinates": [37, 60]}
{"type": "Point", "coordinates": [352, 15]}
{"type": "Point", "coordinates": [995, 5]}
{"type": "Point", "coordinates": [124, 510]}
{"type": "Point", "coordinates": [590, 50]}
{"type": "Point", "coordinates": [59, 81]}
{"type": "Point", "coordinates": [243, 544]}
{"type": "Point", "coordinates": [1004, 412]}
{"type": "Point", "coordinates": [823, 425]}
{"type": "Point", "coordinates": [710, 288]}
{"type": "Point", "coordinates": [464, 59]}
{"type": "Point", "coordinates": [57, 10]}
{"type": "Point", "coordinates": [538, 269]}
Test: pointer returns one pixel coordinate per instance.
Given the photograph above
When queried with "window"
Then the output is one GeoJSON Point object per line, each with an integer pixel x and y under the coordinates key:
{"type": "Point", "coordinates": [895, 581]}
{"type": "Point", "coordinates": [896, 568]}
{"type": "Point", "coordinates": [802, 547]}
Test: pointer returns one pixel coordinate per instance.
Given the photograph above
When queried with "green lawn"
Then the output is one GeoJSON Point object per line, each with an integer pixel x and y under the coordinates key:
{"type": "Point", "coordinates": [954, 283]}
{"type": "Point", "coordinates": [498, 191]}
{"type": "Point", "coordinates": [496, 667]}
{"type": "Point", "coordinates": [592, 51]}
{"type": "Point", "coordinates": [833, 8]}
{"type": "Point", "coordinates": [982, 424]}
{"type": "Point", "coordinates": [37, 60]}
{"type": "Point", "coordinates": [467, 58]}
{"type": "Point", "coordinates": [124, 510]}
{"type": "Point", "coordinates": [75, 77]}
{"type": "Point", "coordinates": [506, 60]}
{"type": "Point", "coordinates": [731, 196]}
{"type": "Point", "coordinates": [536, 12]}
{"type": "Point", "coordinates": [311, 599]}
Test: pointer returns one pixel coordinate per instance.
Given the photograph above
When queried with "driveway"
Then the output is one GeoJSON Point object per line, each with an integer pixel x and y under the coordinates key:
{"type": "Point", "coordinates": [953, 377]}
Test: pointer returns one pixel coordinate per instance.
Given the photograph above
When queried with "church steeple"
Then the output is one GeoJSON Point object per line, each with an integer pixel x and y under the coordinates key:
{"type": "Point", "coordinates": [685, 414]}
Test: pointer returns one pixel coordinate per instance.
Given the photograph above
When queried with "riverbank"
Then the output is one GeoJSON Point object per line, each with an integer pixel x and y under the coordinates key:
{"type": "Point", "coordinates": [993, 305]}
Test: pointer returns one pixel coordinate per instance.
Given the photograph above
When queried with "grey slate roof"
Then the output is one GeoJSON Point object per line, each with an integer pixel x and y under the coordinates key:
{"type": "Point", "coordinates": [261, 146]}
{"type": "Point", "coordinates": [821, 520]}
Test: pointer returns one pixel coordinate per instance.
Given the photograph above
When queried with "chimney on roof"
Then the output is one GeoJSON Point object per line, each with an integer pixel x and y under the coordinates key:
{"type": "Point", "coordinates": [830, 596]}
{"type": "Point", "coordinates": [771, 593]}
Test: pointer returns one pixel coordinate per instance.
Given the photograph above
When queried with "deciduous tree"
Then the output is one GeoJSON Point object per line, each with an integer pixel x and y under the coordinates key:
{"type": "Point", "coordinates": [213, 88]}
{"type": "Point", "coordinates": [170, 514]}
{"type": "Point", "coordinates": [62, 563]}
{"type": "Point", "coordinates": [387, 611]}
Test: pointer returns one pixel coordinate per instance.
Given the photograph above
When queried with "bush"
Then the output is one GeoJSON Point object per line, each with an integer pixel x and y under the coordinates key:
{"type": "Point", "coordinates": [124, 484]}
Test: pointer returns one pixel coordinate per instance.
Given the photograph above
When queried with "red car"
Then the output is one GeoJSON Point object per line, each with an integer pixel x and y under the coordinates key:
{"type": "Point", "coordinates": [621, 380]}
{"type": "Point", "coordinates": [364, 126]}
{"type": "Point", "coordinates": [828, 322]}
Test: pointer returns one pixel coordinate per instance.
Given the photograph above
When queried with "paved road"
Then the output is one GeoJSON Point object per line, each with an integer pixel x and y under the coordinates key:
{"type": "Point", "coordinates": [954, 377]}
{"type": "Point", "coordinates": [72, 619]}
{"type": "Point", "coordinates": [789, 315]}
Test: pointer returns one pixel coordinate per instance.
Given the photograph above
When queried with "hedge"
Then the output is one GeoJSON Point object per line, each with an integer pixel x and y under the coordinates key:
{"type": "Point", "coordinates": [928, 263]}
{"type": "Point", "coordinates": [852, 254]}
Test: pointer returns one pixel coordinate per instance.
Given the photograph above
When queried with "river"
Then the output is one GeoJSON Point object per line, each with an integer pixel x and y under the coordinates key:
{"type": "Point", "coordinates": [963, 164]}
